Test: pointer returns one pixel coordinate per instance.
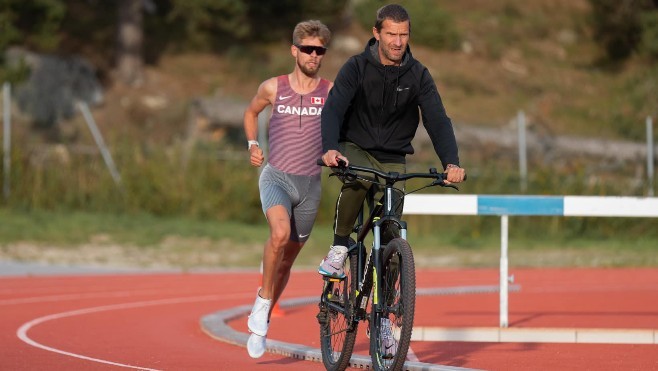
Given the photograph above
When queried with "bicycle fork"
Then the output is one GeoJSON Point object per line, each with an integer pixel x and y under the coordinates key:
{"type": "Point", "coordinates": [378, 269]}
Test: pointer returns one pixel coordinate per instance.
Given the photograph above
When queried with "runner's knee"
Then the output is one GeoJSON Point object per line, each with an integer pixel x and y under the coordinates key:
{"type": "Point", "coordinates": [279, 236]}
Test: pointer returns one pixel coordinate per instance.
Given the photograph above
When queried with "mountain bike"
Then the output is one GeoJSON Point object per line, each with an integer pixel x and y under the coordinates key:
{"type": "Point", "coordinates": [379, 285]}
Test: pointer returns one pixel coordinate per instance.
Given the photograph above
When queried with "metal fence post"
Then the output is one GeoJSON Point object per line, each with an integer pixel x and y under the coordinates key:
{"type": "Point", "coordinates": [523, 156]}
{"type": "Point", "coordinates": [6, 139]}
{"type": "Point", "coordinates": [650, 156]}
{"type": "Point", "coordinates": [98, 137]}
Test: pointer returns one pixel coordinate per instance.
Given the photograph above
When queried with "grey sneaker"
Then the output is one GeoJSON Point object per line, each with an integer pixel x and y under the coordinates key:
{"type": "Point", "coordinates": [388, 344]}
{"type": "Point", "coordinates": [332, 265]}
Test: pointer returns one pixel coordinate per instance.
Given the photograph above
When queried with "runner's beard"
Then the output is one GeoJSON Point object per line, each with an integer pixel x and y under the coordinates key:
{"type": "Point", "coordinates": [310, 72]}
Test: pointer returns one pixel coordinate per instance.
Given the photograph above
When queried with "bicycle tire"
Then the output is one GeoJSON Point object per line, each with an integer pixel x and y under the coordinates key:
{"type": "Point", "coordinates": [399, 301]}
{"type": "Point", "coordinates": [338, 330]}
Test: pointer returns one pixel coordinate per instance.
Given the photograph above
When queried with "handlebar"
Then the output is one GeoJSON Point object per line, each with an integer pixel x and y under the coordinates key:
{"type": "Point", "coordinates": [348, 171]}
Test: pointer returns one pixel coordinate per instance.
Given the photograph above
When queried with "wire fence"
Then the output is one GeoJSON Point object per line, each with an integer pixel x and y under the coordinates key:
{"type": "Point", "coordinates": [522, 142]}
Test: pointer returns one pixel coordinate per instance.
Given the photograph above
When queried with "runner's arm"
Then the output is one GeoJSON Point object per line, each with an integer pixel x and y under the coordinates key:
{"type": "Point", "coordinates": [263, 98]}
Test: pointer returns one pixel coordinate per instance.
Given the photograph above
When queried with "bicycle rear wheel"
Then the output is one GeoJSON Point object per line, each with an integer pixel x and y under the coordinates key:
{"type": "Point", "coordinates": [338, 327]}
{"type": "Point", "coordinates": [389, 346]}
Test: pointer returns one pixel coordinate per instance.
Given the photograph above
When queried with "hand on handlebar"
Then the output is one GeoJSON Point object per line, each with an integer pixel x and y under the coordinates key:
{"type": "Point", "coordinates": [331, 157]}
{"type": "Point", "coordinates": [455, 174]}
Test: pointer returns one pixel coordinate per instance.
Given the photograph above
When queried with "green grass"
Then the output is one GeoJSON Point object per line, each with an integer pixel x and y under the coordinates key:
{"type": "Point", "coordinates": [148, 241]}
{"type": "Point", "coordinates": [74, 228]}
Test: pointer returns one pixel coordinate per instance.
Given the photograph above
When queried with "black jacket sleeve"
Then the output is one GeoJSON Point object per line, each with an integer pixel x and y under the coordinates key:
{"type": "Point", "coordinates": [338, 102]}
{"type": "Point", "coordinates": [437, 122]}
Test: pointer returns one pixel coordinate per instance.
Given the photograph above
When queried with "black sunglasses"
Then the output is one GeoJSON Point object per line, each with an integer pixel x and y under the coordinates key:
{"type": "Point", "coordinates": [309, 49]}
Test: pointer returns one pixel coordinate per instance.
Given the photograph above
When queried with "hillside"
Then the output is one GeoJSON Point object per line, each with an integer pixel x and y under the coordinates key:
{"type": "Point", "coordinates": [535, 56]}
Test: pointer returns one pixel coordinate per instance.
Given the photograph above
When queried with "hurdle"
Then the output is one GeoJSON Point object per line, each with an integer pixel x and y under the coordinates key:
{"type": "Point", "coordinates": [521, 205]}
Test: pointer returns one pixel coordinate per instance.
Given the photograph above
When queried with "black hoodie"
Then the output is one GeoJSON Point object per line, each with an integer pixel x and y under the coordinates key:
{"type": "Point", "coordinates": [376, 107]}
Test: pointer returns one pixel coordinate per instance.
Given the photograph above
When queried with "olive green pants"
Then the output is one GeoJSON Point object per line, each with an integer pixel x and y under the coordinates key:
{"type": "Point", "coordinates": [353, 194]}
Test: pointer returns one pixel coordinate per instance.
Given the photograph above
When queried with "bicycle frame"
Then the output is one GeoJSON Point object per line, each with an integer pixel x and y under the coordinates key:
{"type": "Point", "coordinates": [379, 215]}
{"type": "Point", "coordinates": [378, 218]}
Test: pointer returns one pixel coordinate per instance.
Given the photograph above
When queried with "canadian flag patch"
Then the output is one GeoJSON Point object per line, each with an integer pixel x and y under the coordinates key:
{"type": "Point", "coordinates": [317, 100]}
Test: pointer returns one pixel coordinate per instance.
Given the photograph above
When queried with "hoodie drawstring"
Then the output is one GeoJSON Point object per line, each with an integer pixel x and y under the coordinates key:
{"type": "Point", "coordinates": [384, 90]}
{"type": "Point", "coordinates": [397, 89]}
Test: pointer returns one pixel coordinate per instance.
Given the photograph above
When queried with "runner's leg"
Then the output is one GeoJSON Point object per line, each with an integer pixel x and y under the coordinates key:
{"type": "Point", "coordinates": [275, 247]}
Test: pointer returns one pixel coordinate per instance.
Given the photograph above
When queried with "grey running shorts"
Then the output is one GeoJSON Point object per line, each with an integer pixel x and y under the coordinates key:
{"type": "Point", "coordinates": [299, 194]}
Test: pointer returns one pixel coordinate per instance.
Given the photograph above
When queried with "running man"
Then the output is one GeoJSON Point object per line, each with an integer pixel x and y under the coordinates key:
{"type": "Point", "coordinates": [290, 181]}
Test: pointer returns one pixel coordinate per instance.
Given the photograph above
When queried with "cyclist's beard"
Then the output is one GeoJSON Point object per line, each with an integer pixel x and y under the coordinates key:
{"type": "Point", "coordinates": [389, 54]}
{"type": "Point", "coordinates": [309, 71]}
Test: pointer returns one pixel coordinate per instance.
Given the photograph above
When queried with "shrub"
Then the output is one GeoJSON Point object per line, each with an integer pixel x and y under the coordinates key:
{"type": "Point", "coordinates": [650, 34]}
{"type": "Point", "coordinates": [618, 25]}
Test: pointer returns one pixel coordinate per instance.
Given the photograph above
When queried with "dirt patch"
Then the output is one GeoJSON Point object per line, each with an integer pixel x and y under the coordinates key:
{"type": "Point", "coordinates": [173, 252]}
{"type": "Point", "coordinates": [203, 254]}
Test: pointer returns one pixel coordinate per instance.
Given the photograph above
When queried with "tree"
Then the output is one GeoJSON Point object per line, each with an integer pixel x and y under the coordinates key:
{"type": "Point", "coordinates": [130, 40]}
{"type": "Point", "coordinates": [618, 25]}
{"type": "Point", "coordinates": [30, 24]}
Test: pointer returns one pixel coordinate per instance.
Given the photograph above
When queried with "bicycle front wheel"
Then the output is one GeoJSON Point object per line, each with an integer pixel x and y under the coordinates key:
{"type": "Point", "coordinates": [338, 327]}
{"type": "Point", "coordinates": [390, 332]}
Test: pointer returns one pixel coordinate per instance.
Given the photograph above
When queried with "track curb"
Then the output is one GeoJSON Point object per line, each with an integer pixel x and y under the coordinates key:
{"type": "Point", "coordinates": [216, 326]}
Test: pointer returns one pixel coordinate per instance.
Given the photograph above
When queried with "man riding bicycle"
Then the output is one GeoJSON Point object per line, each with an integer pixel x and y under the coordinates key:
{"type": "Point", "coordinates": [371, 116]}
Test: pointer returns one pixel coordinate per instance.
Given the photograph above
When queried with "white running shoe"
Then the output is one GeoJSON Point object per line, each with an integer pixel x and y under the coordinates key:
{"type": "Point", "coordinates": [256, 346]}
{"type": "Point", "coordinates": [388, 343]}
{"type": "Point", "coordinates": [259, 321]}
{"type": "Point", "coordinates": [332, 265]}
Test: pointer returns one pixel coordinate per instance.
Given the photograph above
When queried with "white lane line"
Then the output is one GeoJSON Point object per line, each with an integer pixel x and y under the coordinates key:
{"type": "Point", "coordinates": [62, 297]}
{"type": "Point", "coordinates": [23, 330]}
{"type": "Point", "coordinates": [89, 295]}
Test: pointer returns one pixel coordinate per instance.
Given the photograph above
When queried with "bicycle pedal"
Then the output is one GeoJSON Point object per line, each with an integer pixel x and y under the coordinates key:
{"type": "Point", "coordinates": [332, 279]}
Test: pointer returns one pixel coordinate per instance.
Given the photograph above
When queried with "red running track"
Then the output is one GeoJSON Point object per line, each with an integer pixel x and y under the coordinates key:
{"type": "Point", "coordinates": [151, 321]}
